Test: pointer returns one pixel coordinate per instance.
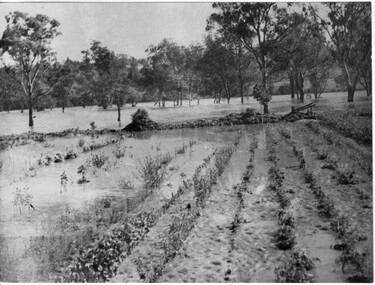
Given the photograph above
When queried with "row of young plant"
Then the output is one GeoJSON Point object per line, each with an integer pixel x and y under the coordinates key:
{"type": "Point", "coordinates": [241, 189]}
{"type": "Point", "coordinates": [360, 155]}
{"type": "Point", "coordinates": [171, 240]}
{"type": "Point", "coordinates": [343, 174]}
{"type": "Point", "coordinates": [99, 262]}
{"type": "Point", "coordinates": [346, 234]}
{"type": "Point", "coordinates": [298, 266]}
{"type": "Point", "coordinates": [353, 124]}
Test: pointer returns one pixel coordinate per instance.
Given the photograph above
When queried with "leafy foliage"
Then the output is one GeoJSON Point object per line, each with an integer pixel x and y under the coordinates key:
{"type": "Point", "coordinates": [296, 268]}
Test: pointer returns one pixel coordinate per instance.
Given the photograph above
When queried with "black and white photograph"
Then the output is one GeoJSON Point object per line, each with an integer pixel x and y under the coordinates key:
{"type": "Point", "coordinates": [186, 142]}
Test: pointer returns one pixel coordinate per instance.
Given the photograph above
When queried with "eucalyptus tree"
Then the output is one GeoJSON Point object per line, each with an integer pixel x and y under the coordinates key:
{"type": "Point", "coordinates": [302, 54]}
{"type": "Point", "coordinates": [219, 67]}
{"type": "Point", "coordinates": [32, 54]}
{"type": "Point", "coordinates": [167, 62]}
{"type": "Point", "coordinates": [348, 31]}
{"type": "Point", "coordinates": [259, 26]}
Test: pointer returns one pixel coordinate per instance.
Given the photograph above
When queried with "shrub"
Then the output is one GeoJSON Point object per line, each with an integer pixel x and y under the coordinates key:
{"type": "Point", "coordinates": [153, 170]}
{"type": "Point", "coordinates": [346, 176]}
{"type": "Point", "coordinates": [139, 116]}
{"type": "Point", "coordinates": [330, 163]}
{"type": "Point", "coordinates": [296, 268]}
{"type": "Point", "coordinates": [98, 159]}
{"type": "Point", "coordinates": [71, 154]}
{"type": "Point", "coordinates": [285, 237]}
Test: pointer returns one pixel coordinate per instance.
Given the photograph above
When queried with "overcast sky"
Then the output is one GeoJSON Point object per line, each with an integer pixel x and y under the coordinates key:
{"type": "Point", "coordinates": [127, 28]}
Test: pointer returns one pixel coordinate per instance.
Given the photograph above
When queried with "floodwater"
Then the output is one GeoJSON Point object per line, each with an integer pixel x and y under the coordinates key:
{"type": "Point", "coordinates": [50, 199]}
{"type": "Point", "coordinates": [78, 117]}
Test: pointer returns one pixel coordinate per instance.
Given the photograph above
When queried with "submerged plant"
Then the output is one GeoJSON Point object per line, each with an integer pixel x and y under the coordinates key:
{"type": "Point", "coordinates": [119, 152]}
{"type": "Point", "coordinates": [82, 171]}
{"type": "Point", "coordinates": [22, 199]}
{"type": "Point", "coordinates": [126, 184]}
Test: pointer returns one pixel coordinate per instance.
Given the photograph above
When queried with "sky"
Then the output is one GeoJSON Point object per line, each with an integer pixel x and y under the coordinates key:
{"type": "Point", "coordinates": [125, 28]}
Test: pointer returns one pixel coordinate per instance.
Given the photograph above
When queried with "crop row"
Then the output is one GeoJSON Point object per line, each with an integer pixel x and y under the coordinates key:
{"type": "Point", "coordinates": [298, 266]}
{"type": "Point", "coordinates": [346, 234]}
{"type": "Point", "coordinates": [351, 123]}
{"type": "Point", "coordinates": [171, 239]}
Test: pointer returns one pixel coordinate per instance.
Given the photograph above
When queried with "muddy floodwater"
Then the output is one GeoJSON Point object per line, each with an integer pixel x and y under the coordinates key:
{"type": "Point", "coordinates": [78, 117]}
{"type": "Point", "coordinates": [21, 171]}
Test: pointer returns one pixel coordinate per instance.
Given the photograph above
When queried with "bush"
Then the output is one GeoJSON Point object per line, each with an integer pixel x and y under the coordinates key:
{"type": "Point", "coordinates": [222, 159]}
{"type": "Point", "coordinates": [140, 116]}
{"type": "Point", "coordinates": [295, 269]}
{"type": "Point", "coordinates": [126, 184]}
{"type": "Point", "coordinates": [98, 159]}
{"type": "Point", "coordinates": [153, 170]}
{"type": "Point", "coordinates": [346, 176]}
{"type": "Point", "coordinates": [285, 237]}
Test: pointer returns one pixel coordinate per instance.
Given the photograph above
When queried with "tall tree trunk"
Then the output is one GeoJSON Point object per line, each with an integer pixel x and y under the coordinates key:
{"type": "Point", "coordinates": [241, 88]}
{"type": "Point", "coordinates": [301, 92]}
{"type": "Point", "coordinates": [30, 105]}
{"type": "Point", "coordinates": [118, 112]}
{"type": "Point", "coordinates": [264, 85]}
{"type": "Point", "coordinates": [351, 91]}
{"type": "Point", "coordinates": [291, 84]}
{"type": "Point", "coordinates": [265, 108]}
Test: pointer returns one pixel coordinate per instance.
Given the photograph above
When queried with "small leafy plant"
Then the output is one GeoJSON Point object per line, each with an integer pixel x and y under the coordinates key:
{"type": "Point", "coordinates": [346, 176]}
{"type": "Point", "coordinates": [99, 159]}
{"type": "Point", "coordinates": [296, 269]}
{"type": "Point", "coordinates": [22, 199]}
{"type": "Point", "coordinates": [153, 170]}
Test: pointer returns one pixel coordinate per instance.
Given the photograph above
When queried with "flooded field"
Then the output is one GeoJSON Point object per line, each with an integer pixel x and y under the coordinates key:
{"type": "Point", "coordinates": [77, 117]}
{"type": "Point", "coordinates": [219, 212]}
{"type": "Point", "coordinates": [218, 204]}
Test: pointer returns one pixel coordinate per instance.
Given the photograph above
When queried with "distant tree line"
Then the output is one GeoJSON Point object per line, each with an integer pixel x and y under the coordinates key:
{"type": "Point", "coordinates": [248, 47]}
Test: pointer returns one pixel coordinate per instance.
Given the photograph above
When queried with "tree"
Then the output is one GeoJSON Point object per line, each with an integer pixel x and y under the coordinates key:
{"type": "Point", "coordinates": [302, 54]}
{"type": "Point", "coordinates": [109, 76]}
{"type": "Point", "coordinates": [64, 91]}
{"type": "Point", "coordinates": [348, 39]}
{"type": "Point", "coordinates": [219, 65]}
{"type": "Point", "coordinates": [32, 54]}
{"type": "Point", "coordinates": [167, 61]}
{"type": "Point", "coordinates": [259, 26]}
